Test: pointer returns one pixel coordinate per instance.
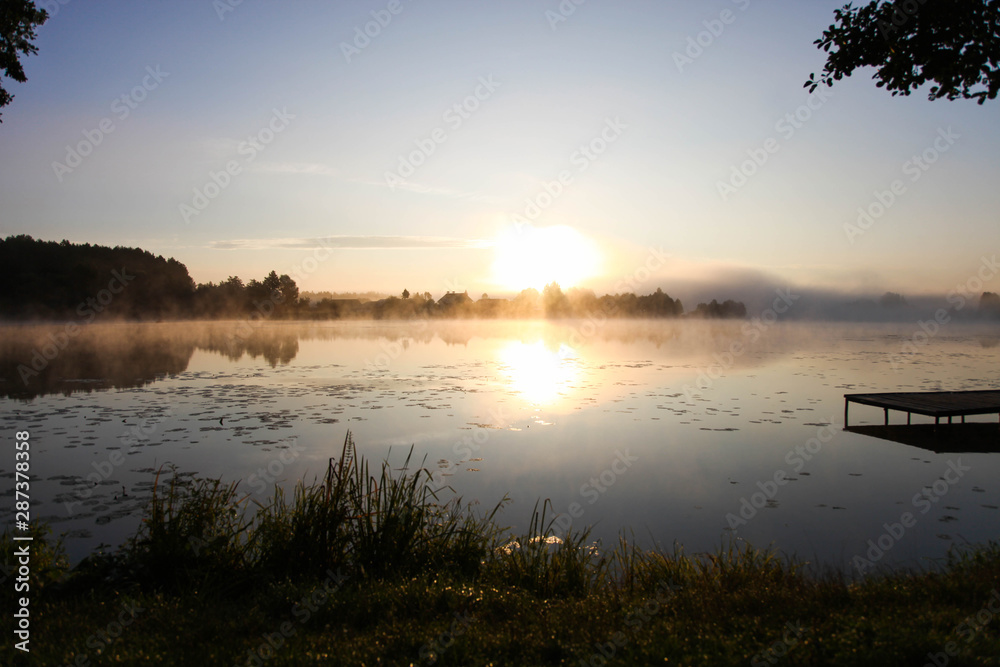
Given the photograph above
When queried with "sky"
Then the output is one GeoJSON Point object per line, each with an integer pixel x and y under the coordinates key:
{"type": "Point", "coordinates": [441, 145]}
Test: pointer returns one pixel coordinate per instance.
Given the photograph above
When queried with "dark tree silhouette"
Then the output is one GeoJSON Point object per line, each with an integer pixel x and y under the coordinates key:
{"type": "Point", "coordinates": [892, 300]}
{"type": "Point", "coordinates": [989, 305]}
{"type": "Point", "coordinates": [406, 293]}
{"type": "Point", "coordinates": [289, 291]}
{"type": "Point", "coordinates": [728, 309]}
{"type": "Point", "coordinates": [49, 280]}
{"type": "Point", "coordinates": [658, 304]}
{"type": "Point", "coordinates": [272, 283]}
{"type": "Point", "coordinates": [18, 19]}
{"type": "Point", "coordinates": [84, 282]}
{"type": "Point", "coordinates": [954, 44]}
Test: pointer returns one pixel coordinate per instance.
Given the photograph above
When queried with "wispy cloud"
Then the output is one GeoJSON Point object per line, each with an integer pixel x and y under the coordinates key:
{"type": "Point", "coordinates": [296, 168]}
{"type": "Point", "coordinates": [352, 243]}
{"type": "Point", "coordinates": [418, 188]}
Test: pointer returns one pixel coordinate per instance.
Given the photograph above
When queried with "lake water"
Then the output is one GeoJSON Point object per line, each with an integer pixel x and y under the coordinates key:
{"type": "Point", "coordinates": [683, 431]}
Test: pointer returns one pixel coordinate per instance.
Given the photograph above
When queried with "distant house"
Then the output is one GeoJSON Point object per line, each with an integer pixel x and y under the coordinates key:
{"type": "Point", "coordinates": [454, 302]}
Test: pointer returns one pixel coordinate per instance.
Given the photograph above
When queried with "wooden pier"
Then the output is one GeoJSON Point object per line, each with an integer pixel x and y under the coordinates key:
{"type": "Point", "coordinates": [935, 404]}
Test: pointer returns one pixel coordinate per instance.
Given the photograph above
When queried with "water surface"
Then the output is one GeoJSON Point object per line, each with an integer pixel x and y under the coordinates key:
{"type": "Point", "coordinates": [688, 432]}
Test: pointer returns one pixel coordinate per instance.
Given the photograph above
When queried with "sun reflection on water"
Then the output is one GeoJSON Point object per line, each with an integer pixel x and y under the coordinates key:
{"type": "Point", "coordinates": [540, 374]}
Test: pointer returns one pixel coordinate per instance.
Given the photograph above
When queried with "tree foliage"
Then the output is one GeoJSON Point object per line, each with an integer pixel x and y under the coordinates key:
{"type": "Point", "coordinates": [49, 280]}
{"type": "Point", "coordinates": [728, 309]}
{"type": "Point", "coordinates": [953, 44]}
{"type": "Point", "coordinates": [989, 304]}
{"type": "Point", "coordinates": [18, 19]}
{"type": "Point", "coordinates": [84, 282]}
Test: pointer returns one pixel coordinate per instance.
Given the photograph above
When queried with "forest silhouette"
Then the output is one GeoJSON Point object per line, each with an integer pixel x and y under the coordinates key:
{"type": "Point", "coordinates": [56, 281]}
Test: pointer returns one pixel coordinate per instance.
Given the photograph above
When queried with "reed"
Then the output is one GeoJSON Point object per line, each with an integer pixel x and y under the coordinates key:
{"type": "Point", "coordinates": [195, 532]}
{"type": "Point", "coordinates": [371, 524]}
{"type": "Point", "coordinates": [308, 534]}
{"type": "Point", "coordinates": [545, 564]}
{"type": "Point", "coordinates": [423, 579]}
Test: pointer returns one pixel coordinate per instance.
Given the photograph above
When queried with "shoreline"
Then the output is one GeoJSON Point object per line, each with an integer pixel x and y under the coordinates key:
{"type": "Point", "coordinates": [365, 565]}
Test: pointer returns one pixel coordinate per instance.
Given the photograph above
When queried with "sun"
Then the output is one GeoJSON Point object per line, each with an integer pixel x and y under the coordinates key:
{"type": "Point", "coordinates": [527, 256]}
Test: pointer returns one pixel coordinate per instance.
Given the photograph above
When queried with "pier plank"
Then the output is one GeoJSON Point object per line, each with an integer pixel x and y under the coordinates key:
{"type": "Point", "coordinates": [935, 404]}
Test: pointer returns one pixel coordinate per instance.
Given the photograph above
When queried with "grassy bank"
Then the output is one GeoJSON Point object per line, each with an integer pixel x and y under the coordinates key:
{"type": "Point", "coordinates": [369, 567]}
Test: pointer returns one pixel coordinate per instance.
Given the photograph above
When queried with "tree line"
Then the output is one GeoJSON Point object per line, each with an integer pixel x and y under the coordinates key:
{"type": "Point", "coordinates": [51, 280]}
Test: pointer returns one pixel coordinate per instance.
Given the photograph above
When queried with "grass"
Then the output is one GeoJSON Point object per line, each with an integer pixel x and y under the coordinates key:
{"type": "Point", "coordinates": [369, 567]}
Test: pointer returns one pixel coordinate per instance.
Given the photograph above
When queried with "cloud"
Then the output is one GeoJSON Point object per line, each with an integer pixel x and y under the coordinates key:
{"type": "Point", "coordinates": [296, 168]}
{"type": "Point", "coordinates": [418, 188]}
{"type": "Point", "coordinates": [320, 169]}
{"type": "Point", "coordinates": [353, 243]}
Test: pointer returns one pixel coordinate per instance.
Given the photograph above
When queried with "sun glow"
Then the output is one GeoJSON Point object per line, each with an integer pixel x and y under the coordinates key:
{"type": "Point", "coordinates": [527, 256]}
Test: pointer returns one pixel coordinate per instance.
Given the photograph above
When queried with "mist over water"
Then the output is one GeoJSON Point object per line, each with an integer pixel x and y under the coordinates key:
{"type": "Point", "coordinates": [676, 429]}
